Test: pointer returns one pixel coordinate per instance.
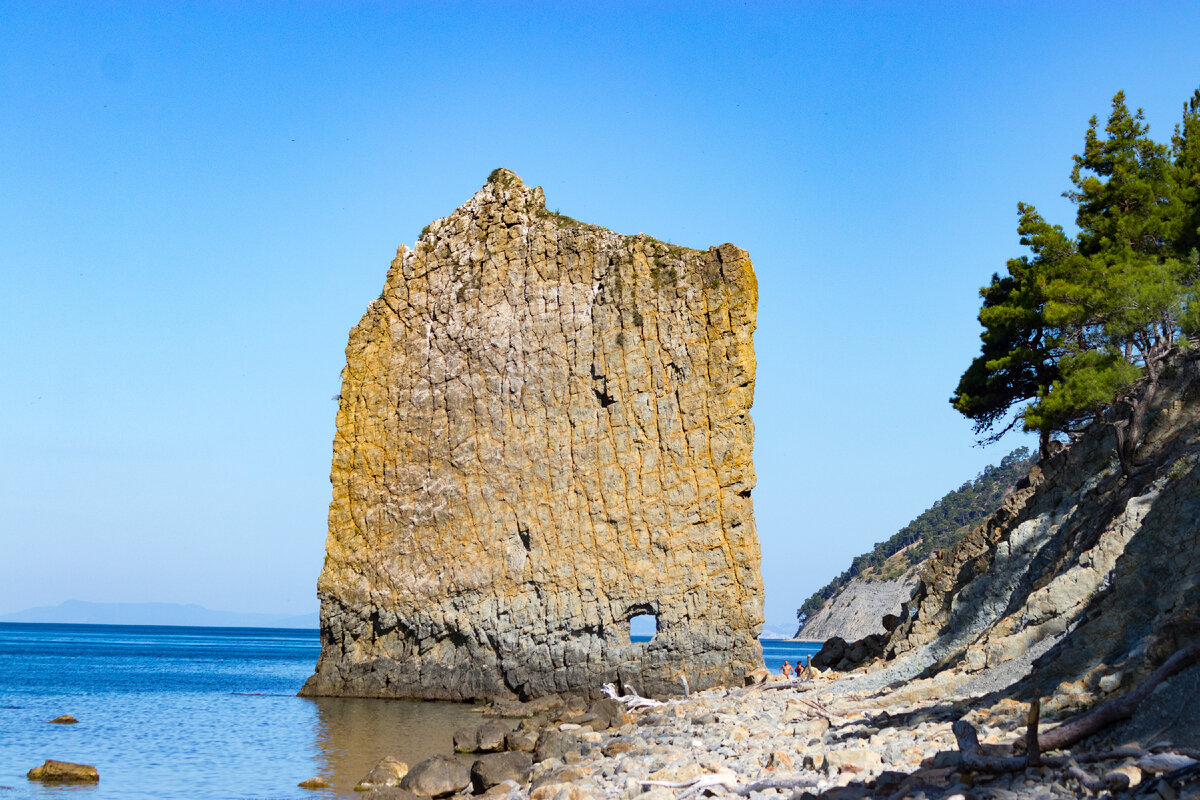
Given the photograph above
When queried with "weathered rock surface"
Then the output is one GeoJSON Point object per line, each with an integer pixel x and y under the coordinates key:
{"type": "Point", "coordinates": [543, 431]}
{"type": "Point", "coordinates": [315, 783]}
{"type": "Point", "coordinates": [437, 777]}
{"type": "Point", "coordinates": [63, 772]}
{"type": "Point", "coordinates": [1083, 572]}
{"type": "Point", "coordinates": [388, 772]}
{"type": "Point", "coordinates": [858, 609]}
{"type": "Point", "coordinates": [493, 769]}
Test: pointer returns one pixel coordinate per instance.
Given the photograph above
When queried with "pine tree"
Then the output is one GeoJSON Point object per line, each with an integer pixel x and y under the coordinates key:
{"type": "Point", "coordinates": [1084, 328]}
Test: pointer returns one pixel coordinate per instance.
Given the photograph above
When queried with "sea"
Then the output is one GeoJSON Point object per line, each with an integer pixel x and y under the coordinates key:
{"type": "Point", "coordinates": [205, 713]}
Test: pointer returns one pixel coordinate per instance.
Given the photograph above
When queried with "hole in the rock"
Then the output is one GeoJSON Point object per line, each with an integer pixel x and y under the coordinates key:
{"type": "Point", "coordinates": [643, 627]}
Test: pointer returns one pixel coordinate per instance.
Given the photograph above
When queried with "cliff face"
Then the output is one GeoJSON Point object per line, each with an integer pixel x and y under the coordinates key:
{"type": "Point", "coordinates": [1081, 573]}
{"type": "Point", "coordinates": [543, 431]}
{"type": "Point", "coordinates": [858, 609]}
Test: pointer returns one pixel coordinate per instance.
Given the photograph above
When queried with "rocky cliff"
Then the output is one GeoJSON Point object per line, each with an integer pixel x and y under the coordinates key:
{"type": "Point", "coordinates": [1082, 574]}
{"type": "Point", "coordinates": [543, 431]}
{"type": "Point", "coordinates": [858, 609]}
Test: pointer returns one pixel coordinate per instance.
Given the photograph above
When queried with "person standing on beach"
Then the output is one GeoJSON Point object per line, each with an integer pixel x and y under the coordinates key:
{"type": "Point", "coordinates": [786, 669]}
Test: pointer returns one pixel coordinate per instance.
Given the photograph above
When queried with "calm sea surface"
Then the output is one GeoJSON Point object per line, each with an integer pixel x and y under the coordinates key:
{"type": "Point", "coordinates": [203, 713]}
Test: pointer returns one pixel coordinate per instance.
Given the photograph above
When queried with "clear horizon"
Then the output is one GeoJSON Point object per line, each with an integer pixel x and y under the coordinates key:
{"type": "Point", "coordinates": [199, 201]}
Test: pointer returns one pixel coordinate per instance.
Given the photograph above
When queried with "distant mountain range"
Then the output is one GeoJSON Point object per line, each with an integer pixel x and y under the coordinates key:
{"type": "Point", "coordinates": [777, 632]}
{"type": "Point", "coordinates": [79, 612]}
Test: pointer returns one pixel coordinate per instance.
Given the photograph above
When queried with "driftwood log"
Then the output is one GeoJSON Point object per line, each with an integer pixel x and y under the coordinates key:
{"type": "Point", "coordinates": [729, 782]}
{"type": "Point", "coordinates": [1105, 714]}
{"type": "Point", "coordinates": [974, 758]}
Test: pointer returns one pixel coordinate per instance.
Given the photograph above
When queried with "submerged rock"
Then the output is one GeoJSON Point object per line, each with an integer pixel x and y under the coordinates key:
{"type": "Point", "coordinates": [63, 772]}
{"type": "Point", "coordinates": [543, 432]}
{"type": "Point", "coordinates": [314, 783]}
{"type": "Point", "coordinates": [388, 772]}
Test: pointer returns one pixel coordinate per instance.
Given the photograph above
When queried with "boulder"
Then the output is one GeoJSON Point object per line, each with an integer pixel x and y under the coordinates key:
{"type": "Point", "coordinates": [466, 740]}
{"type": "Point", "coordinates": [391, 793]}
{"type": "Point", "coordinates": [523, 741]}
{"type": "Point", "coordinates": [756, 676]}
{"type": "Point", "coordinates": [388, 772]}
{"type": "Point", "coordinates": [65, 719]}
{"type": "Point", "coordinates": [437, 777]}
{"type": "Point", "coordinates": [609, 713]}
{"type": "Point", "coordinates": [495, 768]}
{"type": "Point", "coordinates": [489, 738]}
{"type": "Point", "coordinates": [830, 654]}
{"type": "Point", "coordinates": [315, 783]}
{"type": "Point", "coordinates": [63, 772]}
{"type": "Point", "coordinates": [562, 745]}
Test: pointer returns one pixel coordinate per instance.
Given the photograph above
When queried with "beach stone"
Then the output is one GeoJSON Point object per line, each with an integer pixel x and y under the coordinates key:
{"type": "Point", "coordinates": [315, 783]}
{"type": "Point", "coordinates": [390, 793]}
{"type": "Point", "coordinates": [522, 380]}
{"type": "Point", "coordinates": [502, 789]}
{"type": "Point", "coordinates": [555, 791]}
{"type": "Point", "coordinates": [855, 759]}
{"type": "Point", "coordinates": [560, 774]}
{"type": "Point", "coordinates": [657, 793]}
{"type": "Point", "coordinates": [610, 713]}
{"type": "Point", "coordinates": [756, 676]}
{"type": "Point", "coordinates": [684, 772]}
{"type": "Point", "coordinates": [523, 741]}
{"type": "Point", "coordinates": [808, 729]}
{"type": "Point", "coordinates": [618, 746]}
{"type": "Point", "coordinates": [490, 736]}
{"type": "Point", "coordinates": [65, 719]}
{"type": "Point", "coordinates": [63, 772]}
{"type": "Point", "coordinates": [496, 768]}
{"type": "Point", "coordinates": [557, 744]}
{"type": "Point", "coordinates": [466, 740]}
{"type": "Point", "coordinates": [388, 772]}
{"type": "Point", "coordinates": [437, 777]}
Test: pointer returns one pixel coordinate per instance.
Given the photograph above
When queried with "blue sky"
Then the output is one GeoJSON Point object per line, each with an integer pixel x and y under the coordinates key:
{"type": "Point", "coordinates": [197, 201]}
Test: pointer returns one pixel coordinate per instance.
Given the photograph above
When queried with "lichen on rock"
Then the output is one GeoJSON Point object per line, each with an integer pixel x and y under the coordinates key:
{"type": "Point", "coordinates": [543, 431]}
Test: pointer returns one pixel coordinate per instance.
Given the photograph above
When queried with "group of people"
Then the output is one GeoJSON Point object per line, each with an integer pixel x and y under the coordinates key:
{"type": "Point", "coordinates": [787, 671]}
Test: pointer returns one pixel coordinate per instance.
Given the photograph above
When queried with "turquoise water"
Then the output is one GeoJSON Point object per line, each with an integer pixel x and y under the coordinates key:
{"type": "Point", "coordinates": [776, 650]}
{"type": "Point", "coordinates": [202, 713]}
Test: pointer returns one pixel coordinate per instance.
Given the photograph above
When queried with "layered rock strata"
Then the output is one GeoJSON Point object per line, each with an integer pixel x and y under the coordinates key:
{"type": "Point", "coordinates": [1082, 574]}
{"type": "Point", "coordinates": [543, 431]}
{"type": "Point", "coordinates": [857, 611]}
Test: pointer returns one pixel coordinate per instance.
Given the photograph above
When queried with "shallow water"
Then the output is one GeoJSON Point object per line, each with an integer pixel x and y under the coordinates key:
{"type": "Point", "coordinates": [203, 713]}
{"type": "Point", "coordinates": [195, 712]}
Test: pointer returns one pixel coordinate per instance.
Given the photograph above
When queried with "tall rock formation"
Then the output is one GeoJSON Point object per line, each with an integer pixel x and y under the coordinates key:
{"type": "Point", "coordinates": [544, 431]}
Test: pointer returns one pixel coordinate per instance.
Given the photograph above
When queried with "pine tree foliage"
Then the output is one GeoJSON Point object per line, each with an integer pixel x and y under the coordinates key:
{"type": "Point", "coordinates": [938, 527]}
{"type": "Point", "coordinates": [1082, 329]}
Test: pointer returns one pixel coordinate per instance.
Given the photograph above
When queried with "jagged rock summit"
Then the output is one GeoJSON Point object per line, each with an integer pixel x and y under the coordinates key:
{"type": "Point", "coordinates": [543, 431]}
